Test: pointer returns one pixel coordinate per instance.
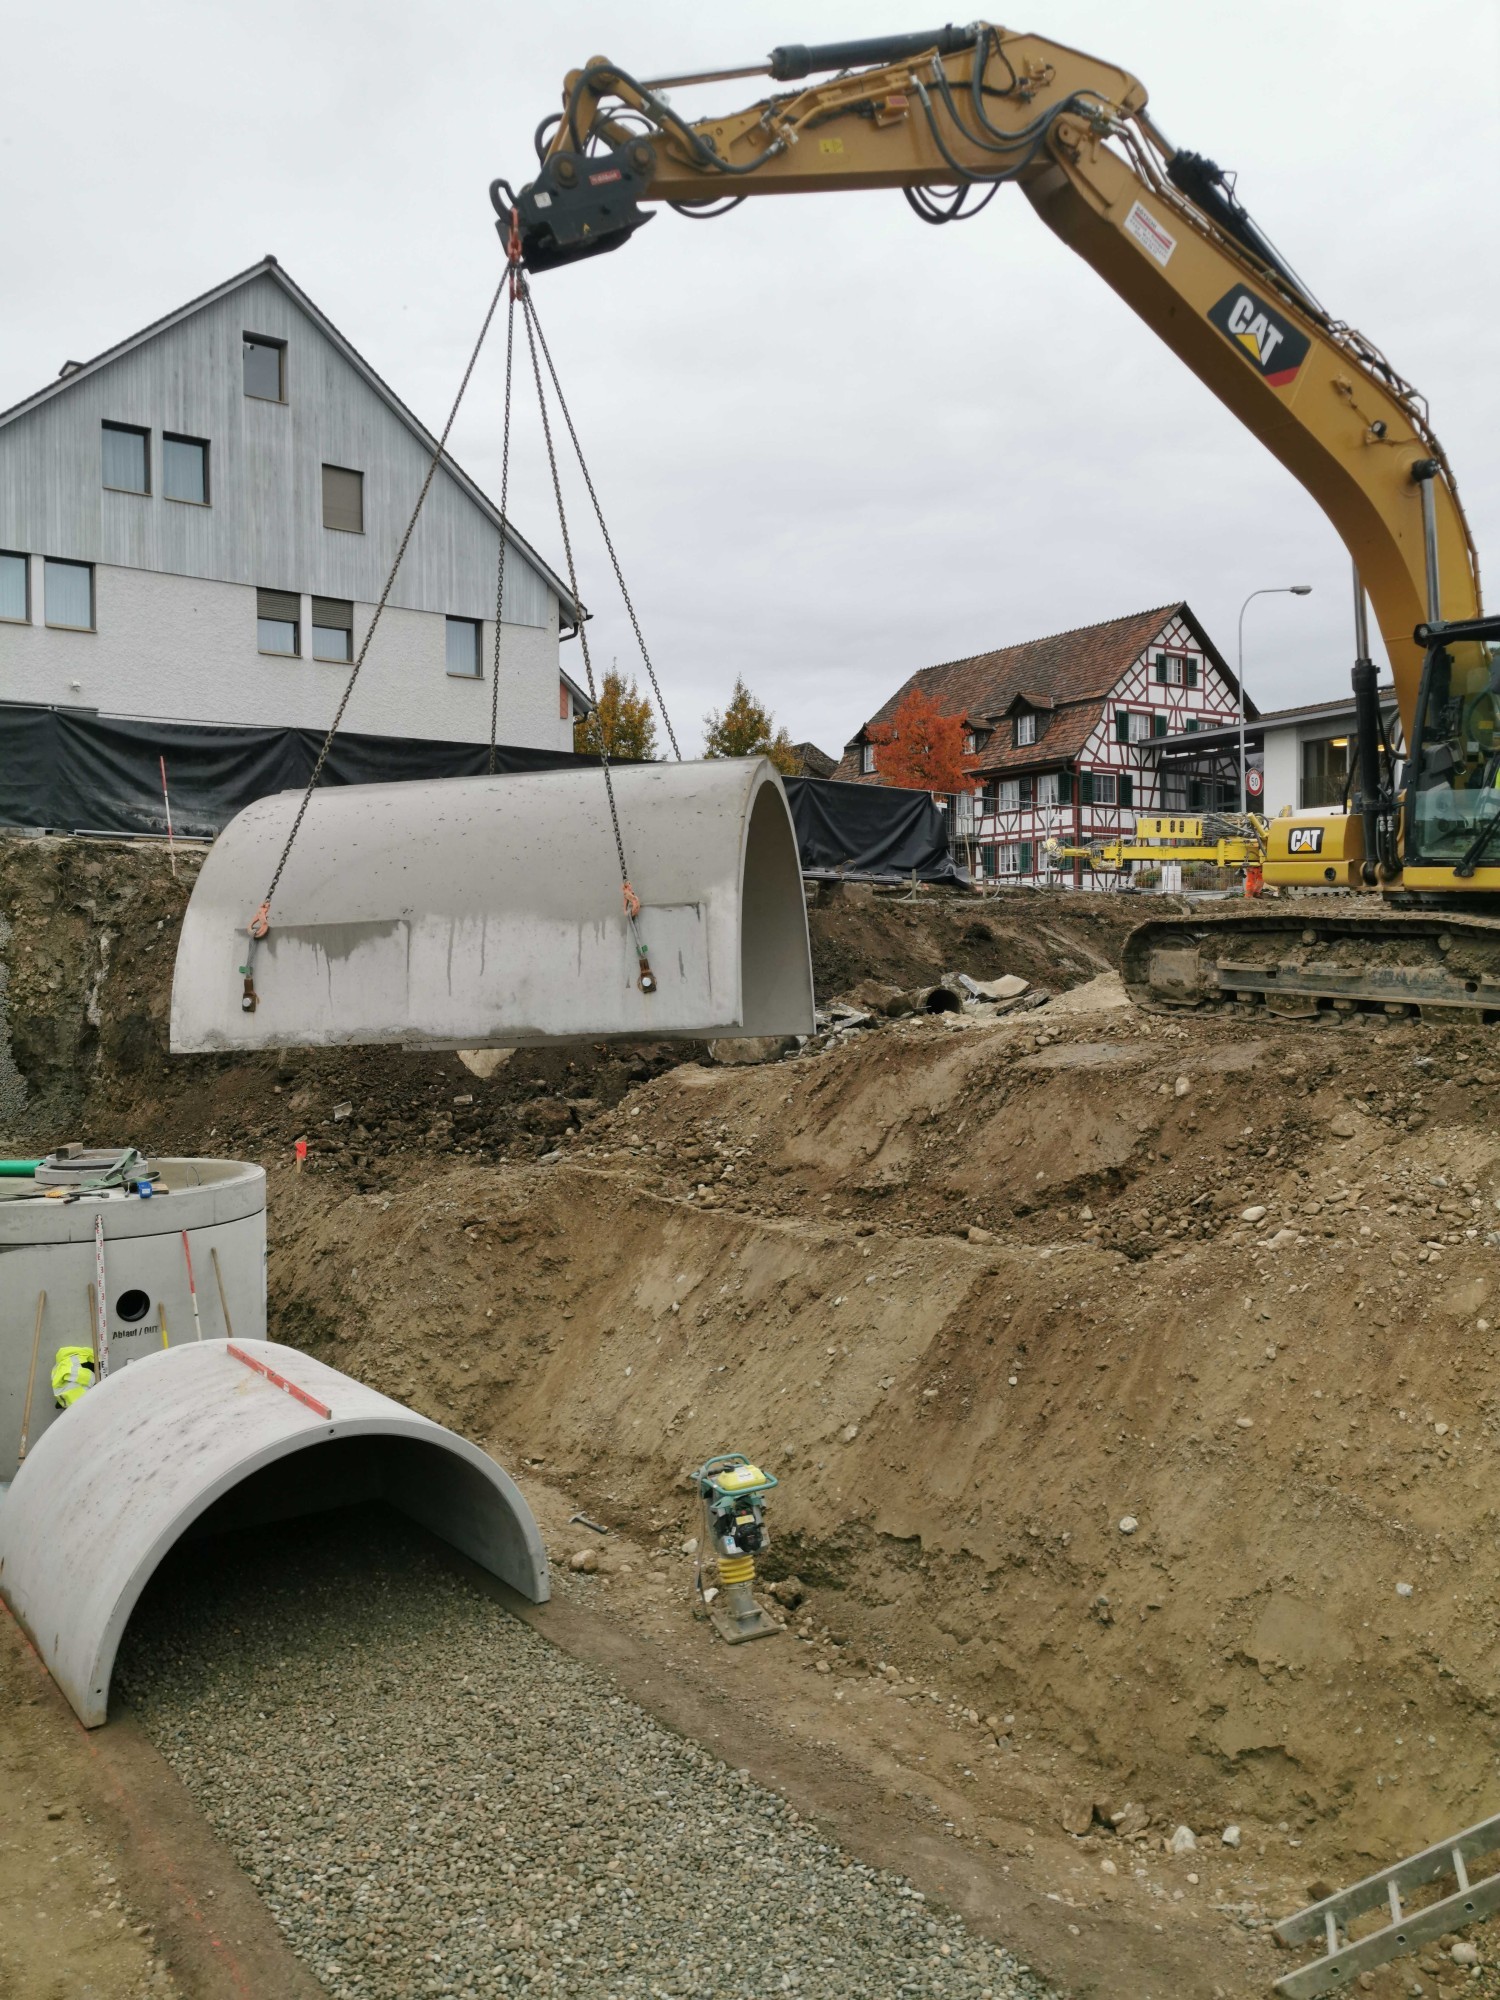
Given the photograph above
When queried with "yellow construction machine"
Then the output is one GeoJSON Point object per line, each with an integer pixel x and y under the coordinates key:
{"type": "Point", "coordinates": [947, 116]}
{"type": "Point", "coordinates": [1218, 840]}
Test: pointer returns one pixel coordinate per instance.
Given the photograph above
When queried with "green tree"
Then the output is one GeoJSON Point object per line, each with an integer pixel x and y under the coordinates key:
{"type": "Point", "coordinates": [746, 729]}
{"type": "Point", "coordinates": [622, 723]}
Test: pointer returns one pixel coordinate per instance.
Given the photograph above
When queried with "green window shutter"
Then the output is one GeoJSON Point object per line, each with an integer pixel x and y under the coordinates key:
{"type": "Point", "coordinates": [1127, 789]}
{"type": "Point", "coordinates": [1065, 788]}
{"type": "Point", "coordinates": [1158, 723]}
{"type": "Point", "coordinates": [1025, 857]}
{"type": "Point", "coordinates": [1122, 725]}
{"type": "Point", "coordinates": [1161, 667]}
{"type": "Point", "coordinates": [1192, 725]}
{"type": "Point", "coordinates": [1192, 673]}
{"type": "Point", "coordinates": [1085, 788]}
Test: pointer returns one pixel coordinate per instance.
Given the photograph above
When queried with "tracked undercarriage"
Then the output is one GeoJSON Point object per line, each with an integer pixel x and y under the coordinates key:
{"type": "Point", "coordinates": [1304, 960]}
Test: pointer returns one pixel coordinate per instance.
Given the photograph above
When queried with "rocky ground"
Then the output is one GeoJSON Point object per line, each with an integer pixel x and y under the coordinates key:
{"type": "Point", "coordinates": [1131, 1382]}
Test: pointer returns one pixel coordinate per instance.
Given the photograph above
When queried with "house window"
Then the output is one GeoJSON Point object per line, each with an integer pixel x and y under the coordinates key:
{"type": "Point", "coordinates": [277, 615]}
{"type": "Point", "coordinates": [463, 649]}
{"type": "Point", "coordinates": [1010, 795]}
{"type": "Point", "coordinates": [1015, 858]}
{"type": "Point", "coordinates": [343, 500]}
{"type": "Point", "coordinates": [989, 797]}
{"type": "Point", "coordinates": [866, 759]}
{"type": "Point", "coordinates": [1136, 725]}
{"type": "Point", "coordinates": [184, 469]}
{"type": "Point", "coordinates": [1025, 730]}
{"type": "Point", "coordinates": [1106, 788]}
{"type": "Point", "coordinates": [15, 588]}
{"type": "Point", "coordinates": [332, 629]}
{"type": "Point", "coordinates": [1047, 789]}
{"type": "Point", "coordinates": [1325, 771]}
{"type": "Point", "coordinates": [265, 368]}
{"type": "Point", "coordinates": [1176, 670]}
{"type": "Point", "coordinates": [69, 594]}
{"type": "Point", "coordinates": [126, 454]}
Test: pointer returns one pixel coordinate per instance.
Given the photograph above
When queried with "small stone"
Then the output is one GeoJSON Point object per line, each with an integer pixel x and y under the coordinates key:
{"type": "Point", "coordinates": [1107, 1867]}
{"type": "Point", "coordinates": [1441, 1430]}
{"type": "Point", "coordinates": [1404, 1589]}
{"type": "Point", "coordinates": [1255, 1213]}
{"type": "Point", "coordinates": [824, 1668]}
{"type": "Point", "coordinates": [1343, 1124]}
{"type": "Point", "coordinates": [1129, 1821]}
{"type": "Point", "coordinates": [1128, 1524]}
{"type": "Point", "coordinates": [978, 1235]}
{"type": "Point", "coordinates": [1244, 1423]}
{"type": "Point", "coordinates": [1230, 1836]}
{"type": "Point", "coordinates": [1464, 1953]}
{"type": "Point", "coordinates": [790, 1591]}
{"type": "Point", "coordinates": [849, 1433]}
{"type": "Point", "coordinates": [584, 1561]}
{"type": "Point", "coordinates": [1181, 1840]}
{"type": "Point", "coordinates": [1076, 1816]}
{"type": "Point", "coordinates": [1181, 1087]}
{"type": "Point", "coordinates": [690, 1546]}
{"type": "Point", "coordinates": [342, 1111]}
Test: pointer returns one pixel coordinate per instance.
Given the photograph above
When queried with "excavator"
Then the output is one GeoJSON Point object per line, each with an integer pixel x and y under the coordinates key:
{"type": "Point", "coordinates": [950, 115]}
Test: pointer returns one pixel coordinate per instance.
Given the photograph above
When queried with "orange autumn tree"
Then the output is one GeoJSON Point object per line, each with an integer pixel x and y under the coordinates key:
{"type": "Point", "coordinates": [921, 748]}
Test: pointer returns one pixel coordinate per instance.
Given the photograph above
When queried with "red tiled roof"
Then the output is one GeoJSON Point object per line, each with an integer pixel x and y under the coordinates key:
{"type": "Point", "coordinates": [1069, 672]}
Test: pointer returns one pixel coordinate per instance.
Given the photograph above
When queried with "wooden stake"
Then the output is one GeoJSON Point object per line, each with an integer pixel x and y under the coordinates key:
{"type": "Point", "coordinates": [161, 1312]}
{"type": "Point", "coordinates": [213, 1252]}
{"type": "Point", "coordinates": [36, 1341]}
{"type": "Point", "coordinates": [171, 844]}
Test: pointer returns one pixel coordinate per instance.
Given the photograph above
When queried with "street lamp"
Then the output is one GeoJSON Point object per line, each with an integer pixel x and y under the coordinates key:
{"type": "Point", "coordinates": [1272, 590]}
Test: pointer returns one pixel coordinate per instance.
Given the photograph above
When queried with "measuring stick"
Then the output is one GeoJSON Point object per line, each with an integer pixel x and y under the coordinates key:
{"type": "Point", "coordinates": [171, 844]}
{"type": "Point", "coordinates": [192, 1288]}
{"type": "Point", "coordinates": [36, 1341]}
{"type": "Point", "coordinates": [213, 1251]}
{"type": "Point", "coordinates": [99, 1301]}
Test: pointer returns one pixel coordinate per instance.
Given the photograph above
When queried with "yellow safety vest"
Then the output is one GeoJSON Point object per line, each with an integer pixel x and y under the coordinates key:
{"type": "Point", "coordinates": [73, 1371]}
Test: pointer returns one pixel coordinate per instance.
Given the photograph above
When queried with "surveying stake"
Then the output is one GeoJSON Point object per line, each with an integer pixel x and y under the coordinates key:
{"type": "Point", "coordinates": [734, 1529]}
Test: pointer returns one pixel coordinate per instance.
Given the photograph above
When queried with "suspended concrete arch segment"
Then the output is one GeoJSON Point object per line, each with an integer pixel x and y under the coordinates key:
{"type": "Point", "coordinates": [486, 912]}
{"type": "Point", "coordinates": [198, 1438]}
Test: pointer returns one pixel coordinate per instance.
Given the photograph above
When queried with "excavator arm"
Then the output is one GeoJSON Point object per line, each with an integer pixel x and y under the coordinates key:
{"type": "Point", "coordinates": [947, 117]}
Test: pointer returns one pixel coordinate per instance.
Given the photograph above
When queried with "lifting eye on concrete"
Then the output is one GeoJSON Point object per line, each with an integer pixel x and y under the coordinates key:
{"type": "Point", "coordinates": [486, 912]}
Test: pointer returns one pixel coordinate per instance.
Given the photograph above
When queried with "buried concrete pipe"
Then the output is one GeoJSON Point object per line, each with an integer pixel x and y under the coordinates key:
{"type": "Point", "coordinates": [476, 913]}
{"type": "Point", "coordinates": [200, 1439]}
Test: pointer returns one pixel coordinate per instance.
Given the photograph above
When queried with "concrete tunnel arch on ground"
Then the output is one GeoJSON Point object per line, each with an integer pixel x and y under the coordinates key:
{"type": "Point", "coordinates": [194, 1440]}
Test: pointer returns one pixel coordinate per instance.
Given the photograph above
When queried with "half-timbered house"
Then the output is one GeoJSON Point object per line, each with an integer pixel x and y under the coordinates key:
{"type": "Point", "coordinates": [1063, 733]}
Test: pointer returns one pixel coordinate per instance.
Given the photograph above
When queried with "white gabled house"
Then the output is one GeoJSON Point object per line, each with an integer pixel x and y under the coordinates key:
{"type": "Point", "coordinates": [196, 525]}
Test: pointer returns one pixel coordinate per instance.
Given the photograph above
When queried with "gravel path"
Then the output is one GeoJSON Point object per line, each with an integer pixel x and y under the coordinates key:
{"type": "Point", "coordinates": [435, 1801]}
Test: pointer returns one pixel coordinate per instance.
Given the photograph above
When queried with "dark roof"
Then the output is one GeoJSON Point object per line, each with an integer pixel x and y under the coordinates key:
{"type": "Point", "coordinates": [74, 371]}
{"type": "Point", "coordinates": [815, 763]}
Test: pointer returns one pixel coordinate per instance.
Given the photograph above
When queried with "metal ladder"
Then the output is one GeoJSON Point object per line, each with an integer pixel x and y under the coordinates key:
{"type": "Point", "coordinates": [1467, 1903]}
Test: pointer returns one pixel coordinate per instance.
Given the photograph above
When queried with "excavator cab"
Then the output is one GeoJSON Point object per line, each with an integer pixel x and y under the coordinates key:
{"type": "Point", "coordinates": [1453, 783]}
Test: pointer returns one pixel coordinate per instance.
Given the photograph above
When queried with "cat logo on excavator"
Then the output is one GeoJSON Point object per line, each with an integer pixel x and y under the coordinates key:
{"type": "Point", "coordinates": [1261, 334]}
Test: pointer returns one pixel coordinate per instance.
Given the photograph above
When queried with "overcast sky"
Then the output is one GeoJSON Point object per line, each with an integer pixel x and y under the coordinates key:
{"type": "Point", "coordinates": [836, 445]}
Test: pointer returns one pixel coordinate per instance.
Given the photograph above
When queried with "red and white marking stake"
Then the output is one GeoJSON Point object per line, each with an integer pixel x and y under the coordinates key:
{"type": "Point", "coordinates": [279, 1381]}
{"type": "Point", "coordinates": [192, 1288]}
{"type": "Point", "coordinates": [171, 844]}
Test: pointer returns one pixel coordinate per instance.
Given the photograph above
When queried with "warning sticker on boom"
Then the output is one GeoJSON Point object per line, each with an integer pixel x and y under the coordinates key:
{"type": "Point", "coordinates": [1261, 335]}
{"type": "Point", "coordinates": [1148, 232]}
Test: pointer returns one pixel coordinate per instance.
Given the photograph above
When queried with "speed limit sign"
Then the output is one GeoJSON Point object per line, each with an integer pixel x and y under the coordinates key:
{"type": "Point", "coordinates": [1254, 783]}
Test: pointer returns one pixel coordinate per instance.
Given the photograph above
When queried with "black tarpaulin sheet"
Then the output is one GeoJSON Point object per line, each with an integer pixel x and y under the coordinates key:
{"type": "Point", "coordinates": [881, 831]}
{"type": "Point", "coordinates": [78, 772]}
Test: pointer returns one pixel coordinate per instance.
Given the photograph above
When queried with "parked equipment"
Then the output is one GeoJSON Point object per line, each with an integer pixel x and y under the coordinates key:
{"type": "Point", "coordinates": [949, 115]}
{"type": "Point", "coordinates": [1221, 840]}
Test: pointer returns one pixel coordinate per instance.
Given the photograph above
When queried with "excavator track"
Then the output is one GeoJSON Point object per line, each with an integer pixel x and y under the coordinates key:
{"type": "Point", "coordinates": [1306, 959]}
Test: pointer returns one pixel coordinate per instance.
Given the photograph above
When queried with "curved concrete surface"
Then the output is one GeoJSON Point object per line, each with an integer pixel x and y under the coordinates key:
{"type": "Point", "coordinates": [474, 912]}
{"type": "Point", "coordinates": [194, 1440]}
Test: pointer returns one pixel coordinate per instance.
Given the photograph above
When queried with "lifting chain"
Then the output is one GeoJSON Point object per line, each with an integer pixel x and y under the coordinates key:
{"type": "Point", "coordinates": [514, 282]}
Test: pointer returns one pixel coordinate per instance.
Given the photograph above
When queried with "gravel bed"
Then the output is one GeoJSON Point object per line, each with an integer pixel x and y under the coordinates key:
{"type": "Point", "coordinates": [433, 1800]}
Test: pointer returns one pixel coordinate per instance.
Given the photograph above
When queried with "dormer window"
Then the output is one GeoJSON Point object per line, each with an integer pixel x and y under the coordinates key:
{"type": "Point", "coordinates": [1176, 670]}
{"type": "Point", "coordinates": [1025, 728]}
{"type": "Point", "coordinates": [867, 759]}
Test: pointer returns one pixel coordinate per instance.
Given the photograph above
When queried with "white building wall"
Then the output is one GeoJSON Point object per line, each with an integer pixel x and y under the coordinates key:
{"type": "Point", "coordinates": [1282, 764]}
{"type": "Point", "coordinates": [175, 583]}
{"type": "Point", "coordinates": [184, 648]}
